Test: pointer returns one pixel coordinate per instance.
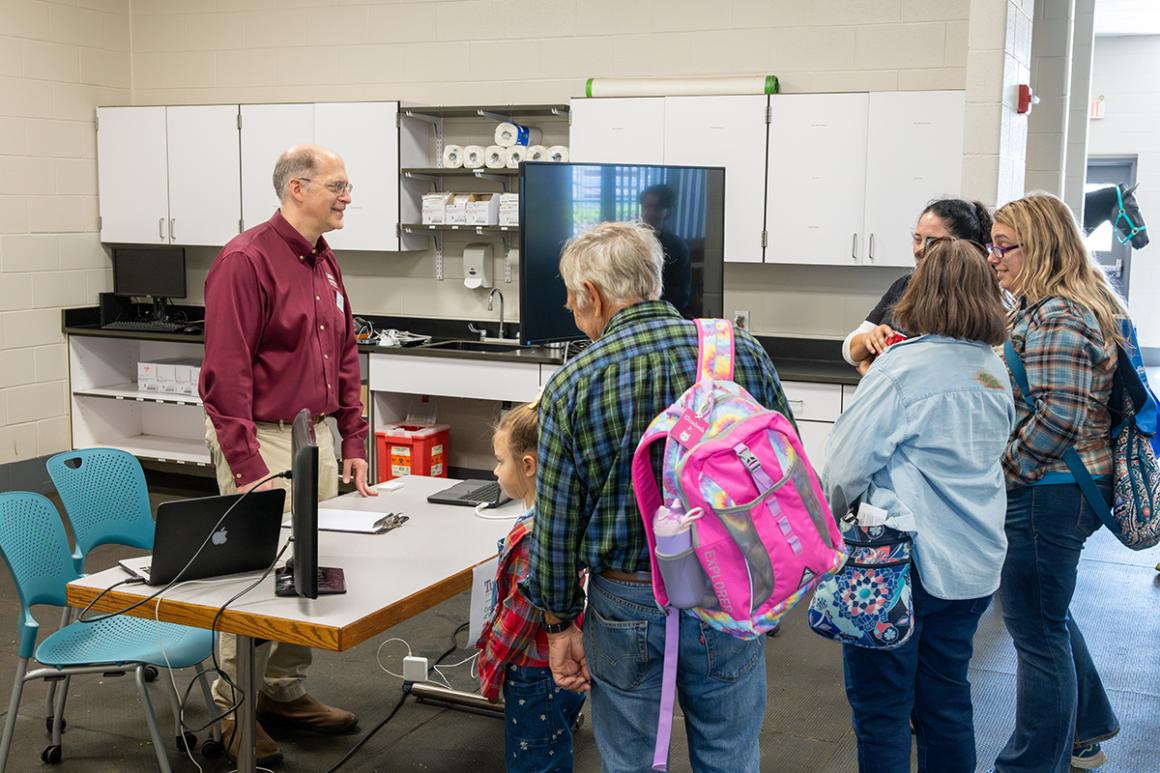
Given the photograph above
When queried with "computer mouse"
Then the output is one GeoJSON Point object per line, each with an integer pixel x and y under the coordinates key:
{"type": "Point", "coordinates": [192, 329]}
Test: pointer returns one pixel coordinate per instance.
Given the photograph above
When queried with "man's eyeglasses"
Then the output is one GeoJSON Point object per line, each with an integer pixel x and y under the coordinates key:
{"type": "Point", "coordinates": [1001, 250]}
{"type": "Point", "coordinates": [337, 188]}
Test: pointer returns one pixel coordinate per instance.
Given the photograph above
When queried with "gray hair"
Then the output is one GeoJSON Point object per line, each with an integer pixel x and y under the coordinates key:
{"type": "Point", "coordinates": [298, 161]}
{"type": "Point", "coordinates": [624, 260]}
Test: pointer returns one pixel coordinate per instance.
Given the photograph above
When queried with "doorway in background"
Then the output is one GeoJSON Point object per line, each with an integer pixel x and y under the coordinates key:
{"type": "Point", "coordinates": [1116, 258]}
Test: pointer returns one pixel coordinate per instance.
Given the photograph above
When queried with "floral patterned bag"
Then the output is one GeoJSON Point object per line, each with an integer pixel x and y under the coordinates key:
{"type": "Point", "coordinates": [867, 603]}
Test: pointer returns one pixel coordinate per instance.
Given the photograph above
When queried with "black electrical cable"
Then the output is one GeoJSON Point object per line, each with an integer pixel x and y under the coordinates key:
{"type": "Point", "coordinates": [362, 741]}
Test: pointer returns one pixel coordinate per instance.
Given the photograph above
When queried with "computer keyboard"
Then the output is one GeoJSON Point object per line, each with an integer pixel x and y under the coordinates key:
{"type": "Point", "coordinates": [150, 326]}
{"type": "Point", "coordinates": [486, 492]}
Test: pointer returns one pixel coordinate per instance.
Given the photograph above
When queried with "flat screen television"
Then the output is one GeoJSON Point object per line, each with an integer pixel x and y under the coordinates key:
{"type": "Point", "coordinates": [302, 576]}
{"type": "Point", "coordinates": [685, 205]}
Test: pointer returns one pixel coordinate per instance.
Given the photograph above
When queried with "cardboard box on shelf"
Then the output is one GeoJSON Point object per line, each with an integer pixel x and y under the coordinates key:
{"type": "Point", "coordinates": [509, 209]}
{"type": "Point", "coordinates": [483, 209]}
{"type": "Point", "coordinates": [435, 208]}
{"type": "Point", "coordinates": [175, 376]}
{"type": "Point", "coordinates": [457, 209]}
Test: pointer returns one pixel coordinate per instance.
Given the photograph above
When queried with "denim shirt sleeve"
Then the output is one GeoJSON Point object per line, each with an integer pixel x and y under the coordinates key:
{"type": "Point", "coordinates": [863, 439]}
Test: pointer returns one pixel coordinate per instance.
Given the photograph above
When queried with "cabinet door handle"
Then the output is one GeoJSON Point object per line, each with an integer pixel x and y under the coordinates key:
{"type": "Point", "coordinates": [172, 222]}
{"type": "Point", "coordinates": [854, 248]}
{"type": "Point", "coordinates": [798, 403]}
{"type": "Point", "coordinates": [161, 228]}
{"type": "Point", "coordinates": [869, 253]}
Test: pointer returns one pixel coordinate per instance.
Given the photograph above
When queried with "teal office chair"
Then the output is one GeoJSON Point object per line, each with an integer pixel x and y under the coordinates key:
{"type": "Point", "coordinates": [106, 501]}
{"type": "Point", "coordinates": [35, 548]}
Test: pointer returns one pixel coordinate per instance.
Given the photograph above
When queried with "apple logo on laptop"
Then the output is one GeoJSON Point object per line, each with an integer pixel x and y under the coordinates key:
{"type": "Point", "coordinates": [218, 537]}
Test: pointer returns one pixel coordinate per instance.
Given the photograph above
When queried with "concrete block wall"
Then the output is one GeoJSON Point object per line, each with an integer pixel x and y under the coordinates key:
{"type": "Point", "coordinates": [58, 61]}
{"type": "Point", "coordinates": [500, 51]}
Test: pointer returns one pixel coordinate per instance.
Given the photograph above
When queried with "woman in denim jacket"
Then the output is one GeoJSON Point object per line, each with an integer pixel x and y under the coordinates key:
{"type": "Point", "coordinates": [923, 438]}
{"type": "Point", "coordinates": [1064, 327]}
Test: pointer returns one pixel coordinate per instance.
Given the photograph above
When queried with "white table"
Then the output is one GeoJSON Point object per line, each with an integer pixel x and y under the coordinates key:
{"type": "Point", "coordinates": [389, 578]}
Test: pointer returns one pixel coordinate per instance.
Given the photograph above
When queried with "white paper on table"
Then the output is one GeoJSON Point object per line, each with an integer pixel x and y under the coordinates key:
{"type": "Point", "coordinates": [333, 519]}
{"type": "Point", "coordinates": [482, 598]}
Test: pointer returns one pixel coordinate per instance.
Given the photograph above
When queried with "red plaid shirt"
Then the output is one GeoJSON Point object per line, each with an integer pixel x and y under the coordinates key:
{"type": "Point", "coordinates": [514, 635]}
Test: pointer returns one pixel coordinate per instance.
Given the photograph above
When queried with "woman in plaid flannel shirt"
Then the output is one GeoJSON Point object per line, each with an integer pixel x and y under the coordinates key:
{"type": "Point", "coordinates": [1064, 327]}
{"type": "Point", "coordinates": [539, 716]}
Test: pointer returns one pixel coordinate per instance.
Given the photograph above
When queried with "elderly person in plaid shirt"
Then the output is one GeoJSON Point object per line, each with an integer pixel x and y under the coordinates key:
{"type": "Point", "coordinates": [592, 414]}
{"type": "Point", "coordinates": [1064, 328]}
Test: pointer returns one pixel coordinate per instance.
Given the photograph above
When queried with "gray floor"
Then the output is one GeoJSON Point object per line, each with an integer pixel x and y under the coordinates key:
{"type": "Point", "coordinates": [806, 729]}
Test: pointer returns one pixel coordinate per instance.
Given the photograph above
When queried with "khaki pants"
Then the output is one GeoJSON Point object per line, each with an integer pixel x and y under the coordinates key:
{"type": "Point", "coordinates": [282, 666]}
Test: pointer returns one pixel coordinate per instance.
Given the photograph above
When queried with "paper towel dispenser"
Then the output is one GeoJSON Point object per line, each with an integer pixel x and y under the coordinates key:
{"type": "Point", "coordinates": [477, 265]}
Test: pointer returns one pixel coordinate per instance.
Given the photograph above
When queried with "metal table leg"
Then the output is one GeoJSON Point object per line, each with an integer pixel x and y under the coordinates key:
{"type": "Point", "coordinates": [247, 714]}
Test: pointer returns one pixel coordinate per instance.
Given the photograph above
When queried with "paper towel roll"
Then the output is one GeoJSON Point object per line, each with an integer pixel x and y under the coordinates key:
{"type": "Point", "coordinates": [508, 134]}
{"type": "Point", "coordinates": [473, 156]}
{"type": "Point", "coordinates": [516, 155]}
{"type": "Point", "coordinates": [452, 156]}
{"type": "Point", "coordinates": [537, 153]}
{"type": "Point", "coordinates": [495, 157]}
{"type": "Point", "coordinates": [558, 154]}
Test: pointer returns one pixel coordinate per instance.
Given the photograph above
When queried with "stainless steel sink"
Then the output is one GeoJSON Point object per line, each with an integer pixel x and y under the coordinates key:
{"type": "Point", "coordinates": [473, 346]}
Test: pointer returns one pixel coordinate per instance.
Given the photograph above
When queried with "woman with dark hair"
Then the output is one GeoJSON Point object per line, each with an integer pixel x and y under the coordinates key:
{"type": "Point", "coordinates": [922, 440]}
{"type": "Point", "coordinates": [957, 218]}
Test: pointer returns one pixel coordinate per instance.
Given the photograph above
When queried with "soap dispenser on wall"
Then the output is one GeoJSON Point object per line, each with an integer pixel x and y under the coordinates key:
{"type": "Point", "coordinates": [477, 265]}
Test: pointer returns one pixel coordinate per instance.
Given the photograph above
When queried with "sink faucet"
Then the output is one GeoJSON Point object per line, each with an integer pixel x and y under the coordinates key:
{"type": "Point", "coordinates": [494, 292]}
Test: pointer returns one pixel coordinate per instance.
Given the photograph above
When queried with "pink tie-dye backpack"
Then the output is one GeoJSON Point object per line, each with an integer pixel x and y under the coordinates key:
{"type": "Point", "coordinates": [739, 531]}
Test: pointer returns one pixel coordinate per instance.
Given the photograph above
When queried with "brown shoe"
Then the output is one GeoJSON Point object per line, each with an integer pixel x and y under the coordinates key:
{"type": "Point", "coordinates": [306, 713]}
{"type": "Point", "coordinates": [266, 749]}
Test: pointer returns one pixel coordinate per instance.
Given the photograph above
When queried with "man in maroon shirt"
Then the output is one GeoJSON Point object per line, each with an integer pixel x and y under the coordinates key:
{"type": "Point", "coordinates": [279, 337]}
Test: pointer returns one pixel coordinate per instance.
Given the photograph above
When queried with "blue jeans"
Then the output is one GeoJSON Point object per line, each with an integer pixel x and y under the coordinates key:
{"type": "Point", "coordinates": [925, 682]}
{"type": "Point", "coordinates": [1061, 701]}
{"type": "Point", "coordinates": [537, 718]}
{"type": "Point", "coordinates": [720, 683]}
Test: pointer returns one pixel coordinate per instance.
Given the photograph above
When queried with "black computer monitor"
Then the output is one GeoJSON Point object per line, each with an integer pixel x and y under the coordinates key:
{"type": "Point", "coordinates": [157, 272]}
{"type": "Point", "coordinates": [684, 205]}
{"type": "Point", "coordinates": [303, 577]}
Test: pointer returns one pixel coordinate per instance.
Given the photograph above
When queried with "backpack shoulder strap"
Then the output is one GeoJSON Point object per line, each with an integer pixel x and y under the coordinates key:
{"type": "Point", "coordinates": [1079, 471]}
{"type": "Point", "coordinates": [715, 346]}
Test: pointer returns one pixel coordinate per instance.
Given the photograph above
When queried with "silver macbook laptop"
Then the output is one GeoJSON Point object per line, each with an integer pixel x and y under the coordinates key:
{"type": "Point", "coordinates": [246, 541]}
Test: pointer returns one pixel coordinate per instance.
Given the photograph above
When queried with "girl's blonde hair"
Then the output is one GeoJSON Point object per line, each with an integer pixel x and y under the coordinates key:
{"type": "Point", "coordinates": [1056, 261]}
{"type": "Point", "coordinates": [522, 424]}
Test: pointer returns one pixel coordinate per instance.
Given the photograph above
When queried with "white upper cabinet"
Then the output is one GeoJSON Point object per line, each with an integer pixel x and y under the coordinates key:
{"type": "Point", "coordinates": [168, 175]}
{"type": "Point", "coordinates": [204, 194]}
{"type": "Point", "coordinates": [914, 155]}
{"type": "Point", "coordinates": [267, 130]}
{"type": "Point", "coordinates": [132, 183]}
{"type": "Point", "coordinates": [728, 132]}
{"type": "Point", "coordinates": [366, 135]}
{"type": "Point", "coordinates": [816, 179]}
{"type": "Point", "coordinates": [618, 131]}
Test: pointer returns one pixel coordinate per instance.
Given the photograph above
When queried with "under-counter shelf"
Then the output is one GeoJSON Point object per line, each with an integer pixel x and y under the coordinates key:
{"type": "Point", "coordinates": [166, 449]}
{"type": "Point", "coordinates": [133, 392]}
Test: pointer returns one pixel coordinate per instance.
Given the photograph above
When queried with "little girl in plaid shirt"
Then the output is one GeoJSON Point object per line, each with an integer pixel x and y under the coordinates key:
{"type": "Point", "coordinates": [539, 717]}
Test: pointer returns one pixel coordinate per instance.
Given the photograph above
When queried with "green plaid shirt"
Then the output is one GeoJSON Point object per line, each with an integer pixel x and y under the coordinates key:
{"type": "Point", "coordinates": [593, 413]}
{"type": "Point", "coordinates": [1070, 366]}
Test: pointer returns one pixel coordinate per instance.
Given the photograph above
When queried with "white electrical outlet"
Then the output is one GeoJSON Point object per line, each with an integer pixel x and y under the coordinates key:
{"type": "Point", "coordinates": [741, 318]}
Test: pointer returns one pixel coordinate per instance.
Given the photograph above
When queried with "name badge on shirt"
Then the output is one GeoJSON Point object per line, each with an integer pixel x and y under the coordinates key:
{"type": "Point", "coordinates": [339, 301]}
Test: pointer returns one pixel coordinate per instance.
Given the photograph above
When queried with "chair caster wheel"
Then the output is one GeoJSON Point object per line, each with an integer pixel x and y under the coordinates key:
{"type": "Point", "coordinates": [51, 755]}
{"type": "Point", "coordinates": [187, 740]}
{"type": "Point", "coordinates": [48, 724]}
{"type": "Point", "coordinates": [150, 673]}
{"type": "Point", "coordinates": [212, 749]}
